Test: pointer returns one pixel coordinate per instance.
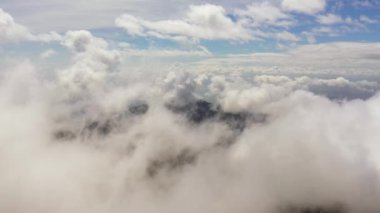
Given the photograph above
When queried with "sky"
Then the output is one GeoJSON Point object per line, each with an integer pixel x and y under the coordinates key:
{"type": "Point", "coordinates": [150, 106]}
{"type": "Point", "coordinates": [216, 33]}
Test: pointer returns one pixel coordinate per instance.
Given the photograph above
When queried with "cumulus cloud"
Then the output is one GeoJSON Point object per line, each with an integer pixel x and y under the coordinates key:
{"type": "Point", "coordinates": [93, 60]}
{"type": "Point", "coordinates": [253, 22]}
{"type": "Point", "coordinates": [308, 7]}
{"type": "Point", "coordinates": [11, 31]}
{"type": "Point", "coordinates": [207, 21]}
{"type": "Point", "coordinates": [97, 136]}
{"type": "Point", "coordinates": [287, 36]}
{"type": "Point", "coordinates": [329, 19]}
{"type": "Point", "coordinates": [266, 13]}
{"type": "Point", "coordinates": [133, 147]}
{"type": "Point", "coordinates": [62, 16]}
{"type": "Point", "coordinates": [211, 22]}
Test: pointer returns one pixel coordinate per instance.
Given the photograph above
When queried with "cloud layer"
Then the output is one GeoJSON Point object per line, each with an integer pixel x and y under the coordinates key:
{"type": "Point", "coordinates": [97, 139]}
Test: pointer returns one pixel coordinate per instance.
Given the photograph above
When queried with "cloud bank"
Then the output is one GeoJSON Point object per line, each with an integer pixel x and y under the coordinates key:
{"type": "Point", "coordinates": [95, 139]}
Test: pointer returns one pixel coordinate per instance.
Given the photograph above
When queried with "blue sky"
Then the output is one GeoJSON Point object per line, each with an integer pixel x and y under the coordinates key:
{"type": "Point", "coordinates": [196, 29]}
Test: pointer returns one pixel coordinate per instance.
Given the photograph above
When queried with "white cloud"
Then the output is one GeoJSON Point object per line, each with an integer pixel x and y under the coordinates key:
{"type": "Point", "coordinates": [83, 41]}
{"type": "Point", "coordinates": [130, 53]}
{"type": "Point", "coordinates": [332, 58]}
{"type": "Point", "coordinates": [302, 6]}
{"type": "Point", "coordinates": [340, 51]}
{"type": "Point", "coordinates": [48, 53]}
{"type": "Point", "coordinates": [366, 3]}
{"type": "Point", "coordinates": [92, 154]}
{"type": "Point", "coordinates": [93, 61]}
{"type": "Point", "coordinates": [158, 161]}
{"type": "Point", "coordinates": [207, 21]}
{"type": "Point", "coordinates": [366, 19]}
{"type": "Point", "coordinates": [10, 30]}
{"type": "Point", "coordinates": [329, 19]}
{"type": "Point", "coordinates": [265, 13]}
{"type": "Point", "coordinates": [332, 26]}
{"type": "Point", "coordinates": [286, 36]}
{"type": "Point", "coordinates": [47, 37]}
{"type": "Point", "coordinates": [61, 16]}
{"type": "Point", "coordinates": [166, 53]}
